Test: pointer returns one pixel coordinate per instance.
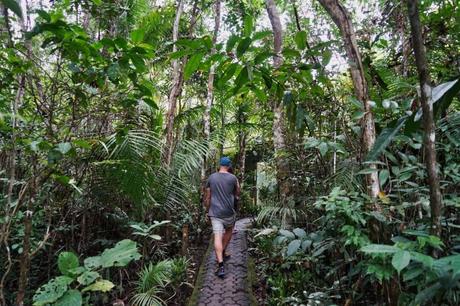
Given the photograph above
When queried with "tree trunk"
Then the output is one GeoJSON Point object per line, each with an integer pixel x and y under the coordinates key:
{"type": "Point", "coordinates": [24, 264]}
{"type": "Point", "coordinates": [428, 121]}
{"type": "Point", "coordinates": [222, 127]}
{"type": "Point", "coordinates": [6, 18]}
{"type": "Point", "coordinates": [176, 89]}
{"type": "Point", "coordinates": [26, 256]}
{"type": "Point", "coordinates": [241, 147]}
{"type": "Point", "coordinates": [185, 239]}
{"type": "Point", "coordinates": [210, 93]}
{"type": "Point", "coordinates": [279, 142]}
{"type": "Point", "coordinates": [177, 82]}
{"type": "Point", "coordinates": [342, 19]}
{"type": "Point", "coordinates": [405, 46]}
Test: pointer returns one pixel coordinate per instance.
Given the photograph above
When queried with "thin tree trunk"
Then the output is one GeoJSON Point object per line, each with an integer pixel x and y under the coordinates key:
{"type": "Point", "coordinates": [405, 46]}
{"type": "Point", "coordinates": [428, 121]}
{"type": "Point", "coordinates": [11, 182]}
{"type": "Point", "coordinates": [177, 82]}
{"type": "Point", "coordinates": [210, 93]}
{"type": "Point", "coordinates": [222, 125]}
{"type": "Point", "coordinates": [279, 142]}
{"type": "Point", "coordinates": [242, 158]}
{"type": "Point", "coordinates": [342, 19]}
{"type": "Point", "coordinates": [24, 264]}
{"type": "Point", "coordinates": [241, 147]}
{"type": "Point", "coordinates": [7, 24]}
{"type": "Point", "coordinates": [176, 89]}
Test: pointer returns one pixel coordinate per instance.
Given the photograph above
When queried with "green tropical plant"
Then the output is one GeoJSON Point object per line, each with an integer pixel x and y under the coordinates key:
{"type": "Point", "coordinates": [154, 280]}
{"type": "Point", "coordinates": [77, 281]}
{"type": "Point", "coordinates": [442, 97]}
{"type": "Point", "coordinates": [431, 277]}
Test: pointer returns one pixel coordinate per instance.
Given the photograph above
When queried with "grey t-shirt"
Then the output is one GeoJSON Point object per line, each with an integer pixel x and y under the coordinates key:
{"type": "Point", "coordinates": [223, 187]}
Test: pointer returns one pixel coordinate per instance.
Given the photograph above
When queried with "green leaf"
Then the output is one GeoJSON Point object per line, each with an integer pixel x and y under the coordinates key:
{"type": "Point", "coordinates": [358, 115]}
{"type": "Point", "coordinates": [384, 139]}
{"type": "Point", "coordinates": [412, 273]}
{"type": "Point", "coordinates": [261, 35]}
{"type": "Point", "coordinates": [286, 233]}
{"type": "Point", "coordinates": [405, 176]}
{"type": "Point", "coordinates": [66, 262]}
{"type": "Point", "coordinates": [137, 36]}
{"type": "Point", "coordinates": [228, 74]}
{"type": "Point", "coordinates": [88, 277]}
{"type": "Point", "coordinates": [358, 104]}
{"type": "Point", "coordinates": [232, 40]}
{"type": "Point", "coordinates": [293, 247]}
{"type": "Point", "coordinates": [262, 56]}
{"type": "Point", "coordinates": [383, 177]}
{"type": "Point", "coordinates": [301, 40]}
{"type": "Point", "coordinates": [248, 25]}
{"type": "Point", "coordinates": [260, 94]}
{"type": "Point", "coordinates": [327, 55]}
{"type": "Point", "coordinates": [379, 248]}
{"type": "Point", "coordinates": [288, 52]}
{"type": "Point", "coordinates": [323, 148]}
{"type": "Point", "coordinates": [138, 62]}
{"type": "Point", "coordinates": [102, 286]}
{"type": "Point", "coordinates": [81, 143]}
{"type": "Point", "coordinates": [243, 46]}
{"type": "Point", "coordinates": [119, 256]}
{"type": "Point", "coordinates": [191, 43]}
{"type": "Point", "coordinates": [441, 97]}
{"type": "Point", "coordinates": [92, 262]}
{"type": "Point", "coordinates": [44, 15]}
{"type": "Point", "coordinates": [300, 232]}
{"type": "Point", "coordinates": [427, 294]}
{"type": "Point", "coordinates": [425, 260]}
{"type": "Point", "coordinates": [70, 298]}
{"type": "Point", "coordinates": [242, 78]}
{"type": "Point", "coordinates": [400, 260]}
{"type": "Point", "coordinates": [150, 103]}
{"type": "Point", "coordinates": [192, 65]}
{"type": "Point", "coordinates": [14, 6]}
{"type": "Point", "coordinates": [52, 291]}
{"type": "Point", "coordinates": [180, 53]}
{"type": "Point", "coordinates": [64, 147]}
{"type": "Point", "coordinates": [306, 244]}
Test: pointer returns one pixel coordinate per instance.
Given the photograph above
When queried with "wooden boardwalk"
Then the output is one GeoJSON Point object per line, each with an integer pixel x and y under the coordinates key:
{"type": "Point", "coordinates": [234, 289]}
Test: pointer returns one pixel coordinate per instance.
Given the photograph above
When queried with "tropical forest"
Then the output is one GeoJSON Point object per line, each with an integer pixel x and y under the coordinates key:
{"type": "Point", "coordinates": [339, 121]}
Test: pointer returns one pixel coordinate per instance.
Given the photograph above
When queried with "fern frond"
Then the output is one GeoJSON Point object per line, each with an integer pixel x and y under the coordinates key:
{"type": "Point", "coordinates": [149, 298]}
{"type": "Point", "coordinates": [154, 276]}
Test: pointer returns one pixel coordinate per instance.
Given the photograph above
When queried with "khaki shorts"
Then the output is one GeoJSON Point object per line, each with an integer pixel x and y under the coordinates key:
{"type": "Point", "coordinates": [219, 225]}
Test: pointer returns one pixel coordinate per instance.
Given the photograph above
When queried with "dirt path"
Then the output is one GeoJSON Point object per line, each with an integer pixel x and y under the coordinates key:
{"type": "Point", "coordinates": [234, 289]}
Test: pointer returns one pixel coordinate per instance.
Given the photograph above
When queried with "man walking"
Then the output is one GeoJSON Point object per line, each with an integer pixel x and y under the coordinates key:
{"type": "Point", "coordinates": [222, 189]}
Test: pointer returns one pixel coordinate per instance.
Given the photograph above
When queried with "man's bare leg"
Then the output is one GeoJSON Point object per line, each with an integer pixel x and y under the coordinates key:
{"type": "Point", "coordinates": [227, 237]}
{"type": "Point", "coordinates": [218, 247]}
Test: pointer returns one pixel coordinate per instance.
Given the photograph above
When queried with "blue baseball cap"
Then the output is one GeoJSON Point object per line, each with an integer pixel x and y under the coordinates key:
{"type": "Point", "coordinates": [225, 162]}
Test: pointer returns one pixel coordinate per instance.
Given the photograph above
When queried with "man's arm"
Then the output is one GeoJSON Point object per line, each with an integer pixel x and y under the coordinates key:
{"type": "Point", "coordinates": [207, 199]}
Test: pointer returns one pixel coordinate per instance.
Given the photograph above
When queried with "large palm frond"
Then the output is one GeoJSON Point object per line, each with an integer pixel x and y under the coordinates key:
{"type": "Point", "coordinates": [132, 161]}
